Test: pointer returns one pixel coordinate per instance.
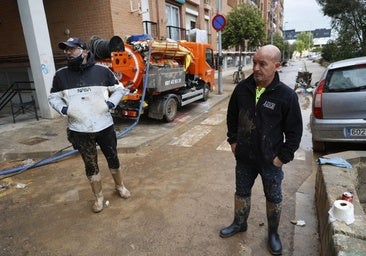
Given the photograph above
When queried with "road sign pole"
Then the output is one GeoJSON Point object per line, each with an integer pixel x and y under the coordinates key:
{"type": "Point", "coordinates": [221, 90]}
{"type": "Point", "coordinates": [218, 23]}
{"type": "Point", "coordinates": [220, 64]}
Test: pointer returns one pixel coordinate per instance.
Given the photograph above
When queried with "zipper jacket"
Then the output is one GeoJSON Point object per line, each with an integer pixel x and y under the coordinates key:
{"type": "Point", "coordinates": [270, 128]}
{"type": "Point", "coordinates": [85, 92]}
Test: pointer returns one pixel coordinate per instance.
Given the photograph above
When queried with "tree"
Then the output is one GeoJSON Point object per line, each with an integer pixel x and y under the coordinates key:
{"type": "Point", "coordinates": [299, 46]}
{"type": "Point", "coordinates": [281, 43]}
{"type": "Point", "coordinates": [307, 38]}
{"type": "Point", "coordinates": [244, 22]}
{"type": "Point", "coordinates": [304, 41]}
{"type": "Point", "coordinates": [289, 50]}
{"type": "Point", "coordinates": [349, 21]}
{"type": "Point", "coordinates": [278, 41]}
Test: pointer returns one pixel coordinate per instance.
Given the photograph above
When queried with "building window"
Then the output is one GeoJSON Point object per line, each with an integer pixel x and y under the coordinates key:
{"type": "Point", "coordinates": [173, 18]}
{"type": "Point", "coordinates": [193, 24]}
{"type": "Point", "coordinates": [210, 57]}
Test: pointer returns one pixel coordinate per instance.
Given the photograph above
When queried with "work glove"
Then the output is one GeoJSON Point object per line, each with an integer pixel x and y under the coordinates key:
{"type": "Point", "coordinates": [110, 105]}
{"type": "Point", "coordinates": [64, 110]}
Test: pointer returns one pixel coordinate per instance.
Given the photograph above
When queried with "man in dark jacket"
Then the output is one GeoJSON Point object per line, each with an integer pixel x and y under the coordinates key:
{"type": "Point", "coordinates": [264, 130]}
{"type": "Point", "coordinates": [85, 91]}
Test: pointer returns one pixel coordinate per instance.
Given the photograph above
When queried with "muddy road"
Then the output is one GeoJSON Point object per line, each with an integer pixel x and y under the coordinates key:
{"type": "Point", "coordinates": [182, 190]}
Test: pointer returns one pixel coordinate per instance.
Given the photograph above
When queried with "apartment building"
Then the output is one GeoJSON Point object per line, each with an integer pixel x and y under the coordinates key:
{"type": "Point", "coordinates": [31, 30]}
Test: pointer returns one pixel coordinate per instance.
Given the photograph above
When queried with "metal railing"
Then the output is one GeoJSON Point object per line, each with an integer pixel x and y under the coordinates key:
{"type": "Point", "coordinates": [24, 102]}
{"type": "Point", "coordinates": [151, 28]}
{"type": "Point", "coordinates": [177, 33]}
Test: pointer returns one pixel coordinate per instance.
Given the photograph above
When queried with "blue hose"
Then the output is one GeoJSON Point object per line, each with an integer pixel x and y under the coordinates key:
{"type": "Point", "coordinates": [23, 168]}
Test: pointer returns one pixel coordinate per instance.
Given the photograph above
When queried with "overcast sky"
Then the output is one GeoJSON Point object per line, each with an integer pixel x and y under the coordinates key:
{"type": "Point", "coordinates": [304, 15]}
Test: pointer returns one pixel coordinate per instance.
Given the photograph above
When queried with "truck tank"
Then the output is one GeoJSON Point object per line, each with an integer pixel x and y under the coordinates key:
{"type": "Point", "coordinates": [180, 73]}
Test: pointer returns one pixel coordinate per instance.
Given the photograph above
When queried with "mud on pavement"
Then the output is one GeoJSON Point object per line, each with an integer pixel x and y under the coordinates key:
{"type": "Point", "coordinates": [181, 198]}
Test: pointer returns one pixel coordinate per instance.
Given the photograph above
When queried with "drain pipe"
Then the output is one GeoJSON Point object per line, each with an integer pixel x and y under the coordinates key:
{"type": "Point", "coordinates": [20, 169]}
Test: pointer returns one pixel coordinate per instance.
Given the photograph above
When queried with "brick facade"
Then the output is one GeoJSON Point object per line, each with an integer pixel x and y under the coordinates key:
{"type": "Point", "coordinates": [84, 18]}
{"type": "Point", "coordinates": [12, 41]}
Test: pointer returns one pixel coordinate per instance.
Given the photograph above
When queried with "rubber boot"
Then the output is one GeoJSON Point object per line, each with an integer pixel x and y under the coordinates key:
{"type": "Point", "coordinates": [273, 218]}
{"type": "Point", "coordinates": [96, 185]}
{"type": "Point", "coordinates": [241, 213]}
{"type": "Point", "coordinates": [118, 180]}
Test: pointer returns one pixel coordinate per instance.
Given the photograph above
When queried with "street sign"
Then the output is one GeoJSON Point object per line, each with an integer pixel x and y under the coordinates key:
{"type": "Point", "coordinates": [218, 22]}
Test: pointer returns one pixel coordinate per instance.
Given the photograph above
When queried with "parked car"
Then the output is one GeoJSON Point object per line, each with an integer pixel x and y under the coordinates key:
{"type": "Point", "coordinates": [339, 104]}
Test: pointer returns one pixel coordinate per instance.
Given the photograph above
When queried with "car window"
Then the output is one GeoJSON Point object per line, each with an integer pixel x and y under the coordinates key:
{"type": "Point", "coordinates": [347, 78]}
{"type": "Point", "coordinates": [359, 76]}
{"type": "Point", "coordinates": [339, 81]}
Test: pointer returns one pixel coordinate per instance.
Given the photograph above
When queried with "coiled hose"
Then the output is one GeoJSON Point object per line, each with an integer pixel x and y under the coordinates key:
{"type": "Point", "coordinates": [102, 49]}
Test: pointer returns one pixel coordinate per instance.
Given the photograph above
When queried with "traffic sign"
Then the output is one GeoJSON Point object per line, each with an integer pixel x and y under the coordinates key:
{"type": "Point", "coordinates": [218, 22]}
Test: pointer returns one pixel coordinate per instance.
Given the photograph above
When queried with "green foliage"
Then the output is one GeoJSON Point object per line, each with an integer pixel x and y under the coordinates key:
{"type": "Point", "coordinates": [283, 45]}
{"type": "Point", "coordinates": [299, 46]}
{"type": "Point", "coordinates": [278, 41]}
{"type": "Point", "coordinates": [336, 9]}
{"type": "Point", "coordinates": [349, 21]}
{"type": "Point", "coordinates": [289, 50]}
{"type": "Point", "coordinates": [243, 22]}
{"type": "Point", "coordinates": [307, 39]}
{"type": "Point", "coordinates": [334, 51]}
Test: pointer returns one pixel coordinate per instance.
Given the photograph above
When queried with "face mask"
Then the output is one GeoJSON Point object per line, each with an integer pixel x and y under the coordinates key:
{"type": "Point", "coordinates": [75, 64]}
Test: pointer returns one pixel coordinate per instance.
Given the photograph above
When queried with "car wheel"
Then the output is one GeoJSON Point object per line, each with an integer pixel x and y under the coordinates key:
{"type": "Point", "coordinates": [318, 146]}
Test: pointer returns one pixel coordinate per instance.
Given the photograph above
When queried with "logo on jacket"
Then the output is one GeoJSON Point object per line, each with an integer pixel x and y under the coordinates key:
{"type": "Point", "coordinates": [269, 105]}
{"type": "Point", "coordinates": [85, 89]}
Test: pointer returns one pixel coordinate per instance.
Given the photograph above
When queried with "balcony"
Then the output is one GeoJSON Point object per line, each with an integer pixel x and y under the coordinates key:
{"type": "Point", "coordinates": [151, 28]}
{"type": "Point", "coordinates": [176, 33]}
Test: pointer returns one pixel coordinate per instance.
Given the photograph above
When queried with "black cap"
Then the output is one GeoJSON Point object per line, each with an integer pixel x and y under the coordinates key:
{"type": "Point", "coordinates": [73, 42]}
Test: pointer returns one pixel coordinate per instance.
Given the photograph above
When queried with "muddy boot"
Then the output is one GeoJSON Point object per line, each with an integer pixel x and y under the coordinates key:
{"type": "Point", "coordinates": [242, 209]}
{"type": "Point", "coordinates": [96, 184]}
{"type": "Point", "coordinates": [273, 218]}
{"type": "Point", "coordinates": [118, 180]}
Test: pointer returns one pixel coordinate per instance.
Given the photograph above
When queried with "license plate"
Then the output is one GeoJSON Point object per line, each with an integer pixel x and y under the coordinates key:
{"type": "Point", "coordinates": [355, 132]}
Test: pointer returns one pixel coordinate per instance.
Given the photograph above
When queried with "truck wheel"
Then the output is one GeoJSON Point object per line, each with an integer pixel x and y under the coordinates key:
{"type": "Point", "coordinates": [170, 109]}
{"type": "Point", "coordinates": [318, 146]}
{"type": "Point", "coordinates": [206, 92]}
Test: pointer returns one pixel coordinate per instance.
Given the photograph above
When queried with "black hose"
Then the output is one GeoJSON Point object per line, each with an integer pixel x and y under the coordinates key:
{"type": "Point", "coordinates": [102, 49]}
